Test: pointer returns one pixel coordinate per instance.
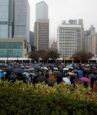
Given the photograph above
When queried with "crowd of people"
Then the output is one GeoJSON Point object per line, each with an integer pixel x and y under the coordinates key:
{"type": "Point", "coordinates": [50, 73]}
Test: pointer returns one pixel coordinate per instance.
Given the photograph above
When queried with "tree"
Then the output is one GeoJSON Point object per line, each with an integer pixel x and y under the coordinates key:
{"type": "Point", "coordinates": [82, 55]}
{"type": "Point", "coordinates": [45, 55]}
{"type": "Point", "coordinates": [53, 54]}
{"type": "Point", "coordinates": [33, 48]}
{"type": "Point", "coordinates": [33, 55]}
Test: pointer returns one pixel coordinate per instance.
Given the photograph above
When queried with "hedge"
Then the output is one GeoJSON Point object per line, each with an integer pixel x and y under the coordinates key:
{"type": "Point", "coordinates": [40, 99]}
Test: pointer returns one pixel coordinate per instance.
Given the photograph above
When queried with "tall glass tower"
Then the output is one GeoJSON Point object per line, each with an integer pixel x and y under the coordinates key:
{"type": "Point", "coordinates": [41, 11]}
{"type": "Point", "coordinates": [14, 19]}
{"type": "Point", "coordinates": [6, 18]}
{"type": "Point", "coordinates": [21, 19]}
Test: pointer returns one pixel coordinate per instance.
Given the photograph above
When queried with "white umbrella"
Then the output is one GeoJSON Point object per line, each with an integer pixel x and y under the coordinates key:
{"type": "Point", "coordinates": [55, 68]}
{"type": "Point", "coordinates": [31, 69]}
{"type": "Point", "coordinates": [70, 67]}
{"type": "Point", "coordinates": [26, 73]}
{"type": "Point", "coordinates": [65, 69]}
{"type": "Point", "coordinates": [45, 68]}
{"type": "Point", "coordinates": [66, 80]}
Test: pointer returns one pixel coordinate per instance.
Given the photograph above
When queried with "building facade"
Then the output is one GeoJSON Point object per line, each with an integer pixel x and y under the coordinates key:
{"type": "Point", "coordinates": [14, 24]}
{"type": "Point", "coordinates": [6, 18]}
{"type": "Point", "coordinates": [91, 41]}
{"type": "Point", "coordinates": [16, 47]}
{"type": "Point", "coordinates": [32, 40]}
{"type": "Point", "coordinates": [14, 19]}
{"type": "Point", "coordinates": [41, 36]}
{"type": "Point", "coordinates": [41, 11]}
{"type": "Point", "coordinates": [21, 19]}
{"type": "Point", "coordinates": [41, 27]}
{"type": "Point", "coordinates": [70, 38]}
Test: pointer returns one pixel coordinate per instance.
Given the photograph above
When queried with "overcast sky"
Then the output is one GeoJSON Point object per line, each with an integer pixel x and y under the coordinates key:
{"type": "Point", "coordinates": [60, 10]}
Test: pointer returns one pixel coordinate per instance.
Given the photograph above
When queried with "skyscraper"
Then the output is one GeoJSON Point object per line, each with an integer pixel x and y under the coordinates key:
{"type": "Point", "coordinates": [6, 18]}
{"type": "Point", "coordinates": [14, 19]}
{"type": "Point", "coordinates": [70, 38]}
{"type": "Point", "coordinates": [41, 28]}
{"type": "Point", "coordinates": [41, 10]}
{"type": "Point", "coordinates": [21, 19]}
{"type": "Point", "coordinates": [91, 40]}
{"type": "Point", "coordinates": [14, 24]}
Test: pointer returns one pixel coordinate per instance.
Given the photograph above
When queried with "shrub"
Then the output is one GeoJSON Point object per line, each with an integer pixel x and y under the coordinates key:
{"type": "Point", "coordinates": [40, 99]}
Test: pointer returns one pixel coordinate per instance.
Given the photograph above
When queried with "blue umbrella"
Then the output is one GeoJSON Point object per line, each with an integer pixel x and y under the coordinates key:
{"type": "Point", "coordinates": [2, 74]}
{"type": "Point", "coordinates": [18, 70]}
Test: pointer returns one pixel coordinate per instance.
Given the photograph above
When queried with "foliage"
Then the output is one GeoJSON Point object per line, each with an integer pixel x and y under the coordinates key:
{"type": "Point", "coordinates": [33, 55]}
{"type": "Point", "coordinates": [40, 99]}
{"type": "Point", "coordinates": [82, 55]}
{"type": "Point", "coordinates": [53, 54]}
{"type": "Point", "coordinates": [33, 48]}
{"type": "Point", "coordinates": [45, 55]}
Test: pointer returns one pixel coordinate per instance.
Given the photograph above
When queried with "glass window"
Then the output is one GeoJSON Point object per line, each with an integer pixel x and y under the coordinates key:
{"type": "Point", "coordinates": [11, 49]}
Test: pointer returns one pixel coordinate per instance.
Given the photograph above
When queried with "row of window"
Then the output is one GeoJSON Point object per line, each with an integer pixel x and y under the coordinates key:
{"type": "Point", "coordinates": [67, 38]}
{"type": "Point", "coordinates": [9, 45]}
{"type": "Point", "coordinates": [68, 42]}
{"type": "Point", "coordinates": [10, 53]}
{"type": "Point", "coordinates": [5, 23]}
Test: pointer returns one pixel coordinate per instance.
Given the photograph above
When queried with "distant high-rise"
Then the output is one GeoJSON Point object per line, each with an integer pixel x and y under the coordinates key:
{"type": "Point", "coordinates": [41, 28]}
{"type": "Point", "coordinates": [41, 36]}
{"type": "Point", "coordinates": [41, 11]}
{"type": "Point", "coordinates": [70, 37]}
{"type": "Point", "coordinates": [14, 19]}
{"type": "Point", "coordinates": [91, 41]}
{"type": "Point", "coordinates": [31, 40]}
{"type": "Point", "coordinates": [54, 45]}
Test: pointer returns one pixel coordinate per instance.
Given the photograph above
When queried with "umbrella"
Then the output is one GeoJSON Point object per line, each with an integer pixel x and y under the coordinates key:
{"type": "Point", "coordinates": [26, 73]}
{"type": "Point", "coordinates": [31, 69]}
{"type": "Point", "coordinates": [86, 69]}
{"type": "Point", "coordinates": [45, 68]}
{"type": "Point", "coordinates": [1, 74]}
{"type": "Point", "coordinates": [85, 79]}
{"type": "Point", "coordinates": [66, 80]}
{"type": "Point", "coordinates": [71, 74]}
{"type": "Point", "coordinates": [70, 67]}
{"type": "Point", "coordinates": [65, 69]}
{"type": "Point", "coordinates": [18, 70]}
{"type": "Point", "coordinates": [55, 68]}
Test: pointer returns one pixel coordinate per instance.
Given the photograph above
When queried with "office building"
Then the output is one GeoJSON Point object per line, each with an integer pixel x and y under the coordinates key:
{"type": "Point", "coordinates": [21, 19]}
{"type": "Point", "coordinates": [91, 41]}
{"type": "Point", "coordinates": [14, 19]}
{"type": "Point", "coordinates": [16, 47]}
{"type": "Point", "coordinates": [41, 37]}
{"type": "Point", "coordinates": [70, 38]}
{"type": "Point", "coordinates": [14, 24]}
{"type": "Point", "coordinates": [41, 27]}
{"type": "Point", "coordinates": [32, 40]}
{"type": "Point", "coordinates": [6, 18]}
{"type": "Point", "coordinates": [41, 11]}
